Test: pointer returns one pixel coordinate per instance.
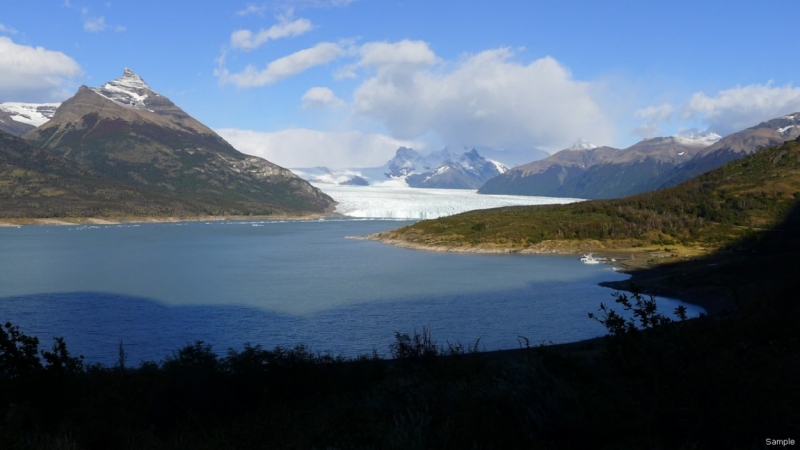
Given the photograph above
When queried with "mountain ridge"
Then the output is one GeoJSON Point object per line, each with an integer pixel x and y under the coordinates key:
{"type": "Point", "coordinates": [650, 164]}
{"type": "Point", "coordinates": [150, 142]}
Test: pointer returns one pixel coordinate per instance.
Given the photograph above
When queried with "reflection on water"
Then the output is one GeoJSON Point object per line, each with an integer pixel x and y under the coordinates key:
{"type": "Point", "coordinates": [157, 287]}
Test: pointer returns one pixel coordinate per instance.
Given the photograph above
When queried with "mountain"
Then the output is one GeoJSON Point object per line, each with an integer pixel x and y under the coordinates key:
{"type": "Point", "coordinates": [11, 126]}
{"type": "Point", "coordinates": [737, 145]}
{"type": "Point", "coordinates": [408, 161]}
{"type": "Point", "coordinates": [442, 169]}
{"type": "Point", "coordinates": [36, 184]}
{"type": "Point", "coordinates": [405, 162]}
{"type": "Point", "coordinates": [735, 200]}
{"type": "Point", "coordinates": [469, 171]}
{"type": "Point", "coordinates": [134, 135]}
{"type": "Point", "coordinates": [512, 157]}
{"type": "Point", "coordinates": [591, 172]}
{"type": "Point", "coordinates": [19, 118]}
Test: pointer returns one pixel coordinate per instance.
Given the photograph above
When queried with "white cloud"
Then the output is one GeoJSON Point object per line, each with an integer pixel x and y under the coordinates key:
{"type": "Point", "coordinates": [34, 73]}
{"type": "Point", "coordinates": [487, 99]}
{"type": "Point", "coordinates": [258, 10]}
{"type": "Point", "coordinates": [398, 58]}
{"type": "Point", "coordinates": [290, 5]}
{"type": "Point", "coordinates": [653, 115]}
{"type": "Point", "coordinates": [281, 68]}
{"type": "Point", "coordinates": [95, 24]}
{"type": "Point", "coordinates": [742, 107]}
{"type": "Point", "coordinates": [247, 40]}
{"type": "Point", "coordinates": [321, 97]}
{"type": "Point", "coordinates": [301, 147]}
{"type": "Point", "coordinates": [5, 29]}
{"type": "Point", "coordinates": [390, 56]}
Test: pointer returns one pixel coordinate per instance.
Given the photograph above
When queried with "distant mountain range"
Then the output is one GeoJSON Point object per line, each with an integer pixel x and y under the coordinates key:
{"type": "Point", "coordinates": [443, 169]}
{"type": "Point", "coordinates": [132, 135]}
{"type": "Point", "coordinates": [605, 172]}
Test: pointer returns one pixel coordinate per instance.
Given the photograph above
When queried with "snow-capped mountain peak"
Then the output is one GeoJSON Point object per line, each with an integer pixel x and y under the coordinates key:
{"type": "Point", "coordinates": [34, 114]}
{"type": "Point", "coordinates": [581, 144]}
{"type": "Point", "coordinates": [129, 90]}
{"type": "Point", "coordinates": [704, 139]}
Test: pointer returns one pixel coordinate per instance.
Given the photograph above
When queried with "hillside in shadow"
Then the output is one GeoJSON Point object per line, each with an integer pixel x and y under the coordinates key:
{"type": "Point", "coordinates": [762, 264]}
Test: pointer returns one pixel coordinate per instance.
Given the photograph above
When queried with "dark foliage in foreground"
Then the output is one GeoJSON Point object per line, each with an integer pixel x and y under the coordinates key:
{"type": "Point", "coordinates": [729, 381]}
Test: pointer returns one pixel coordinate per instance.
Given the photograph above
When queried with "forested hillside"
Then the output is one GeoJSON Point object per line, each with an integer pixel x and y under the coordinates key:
{"type": "Point", "coordinates": [743, 196]}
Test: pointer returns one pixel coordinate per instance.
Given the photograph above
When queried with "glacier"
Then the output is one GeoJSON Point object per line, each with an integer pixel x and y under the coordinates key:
{"type": "Point", "coordinates": [400, 202]}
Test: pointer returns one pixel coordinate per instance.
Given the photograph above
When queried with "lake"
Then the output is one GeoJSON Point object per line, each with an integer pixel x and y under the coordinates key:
{"type": "Point", "coordinates": [157, 287]}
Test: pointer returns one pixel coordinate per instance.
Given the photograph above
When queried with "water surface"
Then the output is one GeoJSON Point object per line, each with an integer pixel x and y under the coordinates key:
{"type": "Point", "coordinates": [157, 287]}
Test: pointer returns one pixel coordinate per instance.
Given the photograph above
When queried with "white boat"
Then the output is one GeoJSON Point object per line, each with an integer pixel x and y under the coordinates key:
{"type": "Point", "coordinates": [589, 259]}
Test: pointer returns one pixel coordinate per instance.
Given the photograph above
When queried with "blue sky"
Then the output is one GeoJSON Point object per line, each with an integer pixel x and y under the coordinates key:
{"type": "Point", "coordinates": [343, 83]}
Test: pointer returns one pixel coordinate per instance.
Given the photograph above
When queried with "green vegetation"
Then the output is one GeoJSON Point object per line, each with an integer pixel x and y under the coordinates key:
{"type": "Point", "coordinates": [713, 209]}
{"type": "Point", "coordinates": [36, 184]}
{"type": "Point", "coordinates": [180, 163]}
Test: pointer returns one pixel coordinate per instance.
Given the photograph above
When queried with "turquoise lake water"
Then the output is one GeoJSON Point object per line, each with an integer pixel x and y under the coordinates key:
{"type": "Point", "coordinates": [157, 287]}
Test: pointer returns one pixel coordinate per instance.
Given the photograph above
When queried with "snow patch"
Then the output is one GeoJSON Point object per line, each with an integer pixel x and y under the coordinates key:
{"type": "Point", "coordinates": [130, 90]}
{"type": "Point", "coordinates": [499, 166]}
{"type": "Point", "coordinates": [35, 114]}
{"type": "Point", "coordinates": [699, 139]}
{"type": "Point", "coordinates": [785, 130]}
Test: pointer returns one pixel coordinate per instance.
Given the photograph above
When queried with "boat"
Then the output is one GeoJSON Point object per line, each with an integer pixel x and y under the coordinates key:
{"type": "Point", "coordinates": [589, 259]}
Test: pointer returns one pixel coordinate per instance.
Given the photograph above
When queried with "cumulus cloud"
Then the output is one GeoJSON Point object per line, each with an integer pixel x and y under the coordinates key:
{"type": "Point", "coordinates": [34, 73]}
{"type": "Point", "coordinates": [247, 40]}
{"type": "Point", "coordinates": [281, 68]}
{"type": "Point", "coordinates": [301, 147]}
{"type": "Point", "coordinates": [399, 58]}
{"type": "Point", "coordinates": [741, 107]}
{"type": "Point", "coordinates": [321, 97]}
{"type": "Point", "coordinates": [487, 99]}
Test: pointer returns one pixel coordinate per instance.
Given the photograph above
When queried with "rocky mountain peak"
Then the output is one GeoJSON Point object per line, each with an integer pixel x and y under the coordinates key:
{"type": "Point", "coordinates": [129, 90]}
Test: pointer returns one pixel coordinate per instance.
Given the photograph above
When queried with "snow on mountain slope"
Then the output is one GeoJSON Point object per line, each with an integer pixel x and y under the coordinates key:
{"type": "Point", "coordinates": [703, 140]}
{"type": "Point", "coordinates": [34, 114]}
{"type": "Point", "coordinates": [130, 90]}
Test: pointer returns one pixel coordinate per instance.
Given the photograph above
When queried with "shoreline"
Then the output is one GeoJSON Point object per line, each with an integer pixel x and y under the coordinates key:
{"type": "Point", "coordinates": [646, 265]}
{"type": "Point", "coordinates": [71, 221]}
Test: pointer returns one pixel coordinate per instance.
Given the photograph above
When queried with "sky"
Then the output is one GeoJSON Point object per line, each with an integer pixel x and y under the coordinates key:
{"type": "Point", "coordinates": [344, 83]}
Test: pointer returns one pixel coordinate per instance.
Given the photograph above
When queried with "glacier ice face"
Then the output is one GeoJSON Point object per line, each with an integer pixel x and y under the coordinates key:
{"type": "Point", "coordinates": [385, 202]}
